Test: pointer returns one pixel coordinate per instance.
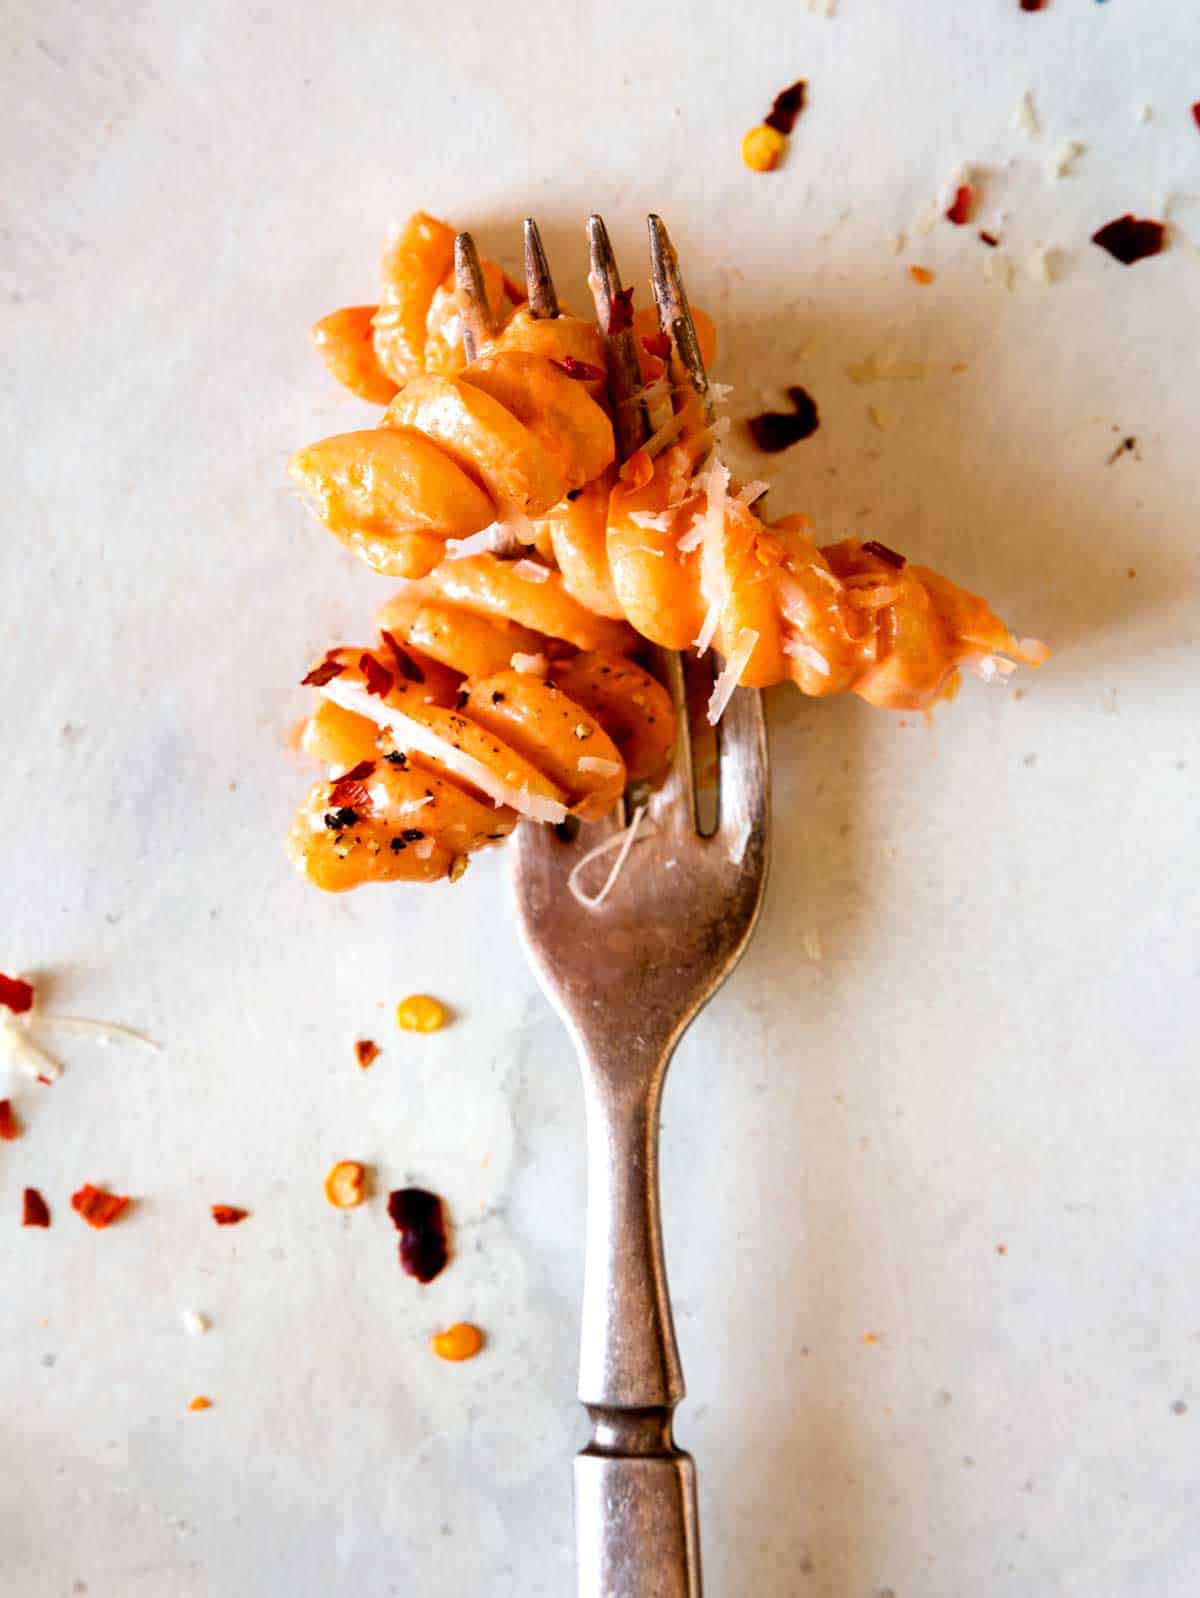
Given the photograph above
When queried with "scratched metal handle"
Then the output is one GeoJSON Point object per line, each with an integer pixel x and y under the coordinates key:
{"type": "Point", "coordinates": [637, 1534]}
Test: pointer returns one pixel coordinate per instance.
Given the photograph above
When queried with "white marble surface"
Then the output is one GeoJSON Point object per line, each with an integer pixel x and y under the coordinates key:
{"type": "Point", "coordinates": [998, 1044]}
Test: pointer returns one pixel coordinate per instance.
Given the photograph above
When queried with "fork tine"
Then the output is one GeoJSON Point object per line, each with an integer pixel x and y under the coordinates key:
{"type": "Point", "coordinates": [472, 295]}
{"type": "Point", "coordinates": [631, 422]}
{"type": "Point", "coordinates": [742, 737]}
{"type": "Point", "coordinates": [539, 285]}
{"type": "Point", "coordinates": [674, 312]}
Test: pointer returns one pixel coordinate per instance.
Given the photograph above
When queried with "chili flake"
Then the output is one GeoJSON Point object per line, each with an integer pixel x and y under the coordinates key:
{"type": "Point", "coordinates": [98, 1207]}
{"type": "Point", "coordinates": [34, 1209]}
{"type": "Point", "coordinates": [458, 1342]}
{"type": "Point", "coordinates": [883, 553]}
{"type": "Point", "coordinates": [228, 1214]}
{"type": "Point", "coordinates": [921, 275]}
{"type": "Point", "coordinates": [583, 370]}
{"type": "Point", "coordinates": [786, 108]}
{"type": "Point", "coordinates": [418, 1216]}
{"type": "Point", "coordinates": [320, 675]}
{"type": "Point", "coordinates": [405, 664]}
{"type": "Point", "coordinates": [366, 1052]}
{"type": "Point", "coordinates": [15, 995]}
{"type": "Point", "coordinates": [773, 431]}
{"type": "Point", "coordinates": [959, 210]}
{"type": "Point", "coordinates": [657, 344]}
{"type": "Point", "coordinates": [379, 678]}
{"type": "Point", "coordinates": [1129, 239]}
{"type": "Point", "coordinates": [9, 1128]}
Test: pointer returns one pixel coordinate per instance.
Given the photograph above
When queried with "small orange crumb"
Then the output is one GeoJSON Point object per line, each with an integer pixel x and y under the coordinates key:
{"type": "Point", "coordinates": [762, 148]}
{"type": "Point", "coordinates": [421, 1013]}
{"type": "Point", "coordinates": [1131, 572]}
{"type": "Point", "coordinates": [1001, 1248]}
{"type": "Point", "coordinates": [870, 1337]}
{"type": "Point", "coordinates": [344, 1184]}
{"type": "Point", "coordinates": [920, 274]}
{"type": "Point", "coordinates": [200, 1402]}
{"type": "Point", "coordinates": [366, 1052]}
{"type": "Point", "coordinates": [458, 1342]}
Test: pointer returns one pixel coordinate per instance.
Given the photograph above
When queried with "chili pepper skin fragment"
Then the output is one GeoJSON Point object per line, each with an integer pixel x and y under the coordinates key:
{"type": "Point", "coordinates": [34, 1209]}
{"type": "Point", "coordinates": [458, 1342]}
{"type": "Point", "coordinates": [419, 1218]}
{"type": "Point", "coordinates": [98, 1207]}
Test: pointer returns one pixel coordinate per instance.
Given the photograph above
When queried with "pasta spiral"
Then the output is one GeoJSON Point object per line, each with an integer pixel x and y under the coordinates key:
{"type": "Point", "coordinates": [682, 556]}
{"type": "Point", "coordinates": [492, 693]}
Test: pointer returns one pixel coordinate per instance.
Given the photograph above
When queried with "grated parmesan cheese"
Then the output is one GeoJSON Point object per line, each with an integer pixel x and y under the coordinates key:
{"type": "Point", "coordinates": [808, 655]}
{"type": "Point", "coordinates": [1062, 163]}
{"type": "Point", "coordinates": [413, 734]}
{"type": "Point", "coordinates": [25, 1053]}
{"type": "Point", "coordinates": [1025, 117]}
{"type": "Point", "coordinates": [725, 684]}
{"type": "Point", "coordinates": [529, 665]}
{"type": "Point", "coordinates": [622, 842]}
{"type": "Point", "coordinates": [194, 1324]}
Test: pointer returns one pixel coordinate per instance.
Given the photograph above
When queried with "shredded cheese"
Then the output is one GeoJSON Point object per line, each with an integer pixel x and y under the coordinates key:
{"type": "Point", "coordinates": [599, 765]}
{"type": "Point", "coordinates": [413, 734]}
{"type": "Point", "coordinates": [808, 655]}
{"type": "Point", "coordinates": [723, 688]}
{"type": "Point", "coordinates": [104, 1032]}
{"type": "Point", "coordinates": [25, 1053]}
{"type": "Point", "coordinates": [481, 543]}
{"type": "Point", "coordinates": [529, 665]}
{"type": "Point", "coordinates": [622, 842]}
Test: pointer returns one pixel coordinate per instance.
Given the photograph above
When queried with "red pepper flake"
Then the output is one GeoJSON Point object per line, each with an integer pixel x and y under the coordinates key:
{"type": "Point", "coordinates": [15, 995]}
{"type": "Point", "coordinates": [1196, 113]}
{"type": "Point", "coordinates": [34, 1209]}
{"type": "Point", "coordinates": [583, 370]}
{"type": "Point", "coordinates": [657, 344]}
{"type": "Point", "coordinates": [959, 211]}
{"type": "Point", "coordinates": [228, 1214]}
{"type": "Point", "coordinates": [418, 1216]}
{"type": "Point", "coordinates": [989, 239]}
{"type": "Point", "coordinates": [888, 556]}
{"type": "Point", "coordinates": [366, 1051]}
{"type": "Point", "coordinates": [620, 317]}
{"type": "Point", "coordinates": [405, 664]}
{"type": "Point", "coordinates": [1033, 5]}
{"type": "Point", "coordinates": [921, 275]}
{"type": "Point", "coordinates": [320, 675]}
{"type": "Point", "coordinates": [1129, 238]}
{"type": "Point", "coordinates": [98, 1207]}
{"type": "Point", "coordinates": [379, 678]}
{"type": "Point", "coordinates": [773, 431]}
{"type": "Point", "coordinates": [347, 791]}
{"type": "Point", "coordinates": [786, 108]}
{"type": "Point", "coordinates": [9, 1127]}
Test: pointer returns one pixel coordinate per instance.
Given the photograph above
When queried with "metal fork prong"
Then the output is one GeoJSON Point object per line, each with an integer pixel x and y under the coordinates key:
{"type": "Point", "coordinates": [539, 285]}
{"type": "Point", "coordinates": [674, 312]}
{"type": "Point", "coordinates": [674, 803]}
{"type": "Point", "coordinates": [472, 296]}
{"type": "Point", "coordinates": [631, 421]}
{"type": "Point", "coordinates": [742, 740]}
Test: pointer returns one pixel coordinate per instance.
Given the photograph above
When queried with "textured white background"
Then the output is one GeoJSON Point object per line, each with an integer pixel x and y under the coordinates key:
{"type": "Point", "coordinates": [998, 1045]}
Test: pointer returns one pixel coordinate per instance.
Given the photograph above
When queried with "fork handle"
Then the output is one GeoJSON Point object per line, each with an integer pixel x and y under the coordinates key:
{"type": "Point", "coordinates": [637, 1532]}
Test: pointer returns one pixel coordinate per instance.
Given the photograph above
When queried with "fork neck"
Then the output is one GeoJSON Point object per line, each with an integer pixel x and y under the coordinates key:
{"type": "Point", "coordinates": [629, 1360]}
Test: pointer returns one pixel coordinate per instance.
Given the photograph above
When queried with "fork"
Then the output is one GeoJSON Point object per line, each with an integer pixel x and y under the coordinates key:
{"type": "Point", "coordinates": [627, 978]}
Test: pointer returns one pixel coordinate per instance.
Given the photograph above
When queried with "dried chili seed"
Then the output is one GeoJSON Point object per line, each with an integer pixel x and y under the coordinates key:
{"type": "Point", "coordinates": [15, 995]}
{"type": "Point", "coordinates": [418, 1216]}
{"type": "Point", "coordinates": [9, 1129]}
{"type": "Point", "coordinates": [1129, 238]}
{"type": "Point", "coordinates": [366, 1051]}
{"type": "Point", "coordinates": [98, 1207]}
{"type": "Point", "coordinates": [348, 792]}
{"type": "Point", "coordinates": [344, 1184]}
{"type": "Point", "coordinates": [228, 1214]}
{"type": "Point", "coordinates": [200, 1402]}
{"type": "Point", "coordinates": [458, 1342]}
{"type": "Point", "coordinates": [773, 431]}
{"type": "Point", "coordinates": [583, 370]}
{"type": "Point", "coordinates": [620, 317]}
{"type": "Point", "coordinates": [989, 239]}
{"type": "Point", "coordinates": [420, 1012]}
{"type": "Point", "coordinates": [379, 678]}
{"type": "Point", "coordinates": [959, 209]}
{"type": "Point", "coordinates": [34, 1209]}
{"type": "Point", "coordinates": [657, 344]}
{"type": "Point", "coordinates": [883, 553]}
{"type": "Point", "coordinates": [320, 675]}
{"type": "Point", "coordinates": [921, 275]}
{"type": "Point", "coordinates": [786, 108]}
{"type": "Point", "coordinates": [762, 148]}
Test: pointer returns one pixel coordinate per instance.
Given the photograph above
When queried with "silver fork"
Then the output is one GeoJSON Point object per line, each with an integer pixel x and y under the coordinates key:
{"type": "Point", "coordinates": [628, 978]}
